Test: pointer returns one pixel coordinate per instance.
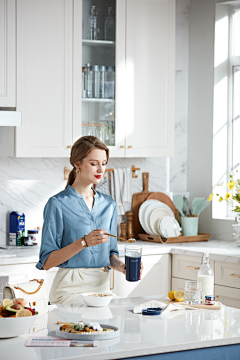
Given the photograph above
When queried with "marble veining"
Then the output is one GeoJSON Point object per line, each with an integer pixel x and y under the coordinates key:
{"type": "Point", "coordinates": [27, 183]}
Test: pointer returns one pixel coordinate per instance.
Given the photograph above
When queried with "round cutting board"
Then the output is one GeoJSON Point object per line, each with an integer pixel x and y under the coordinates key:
{"type": "Point", "coordinates": [163, 198]}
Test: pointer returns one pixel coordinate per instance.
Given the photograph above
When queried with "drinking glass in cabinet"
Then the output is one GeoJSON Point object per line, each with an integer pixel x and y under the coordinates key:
{"type": "Point", "coordinates": [98, 69]}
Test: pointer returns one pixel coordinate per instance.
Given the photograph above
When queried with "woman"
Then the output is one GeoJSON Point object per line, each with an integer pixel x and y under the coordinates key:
{"type": "Point", "coordinates": [72, 236]}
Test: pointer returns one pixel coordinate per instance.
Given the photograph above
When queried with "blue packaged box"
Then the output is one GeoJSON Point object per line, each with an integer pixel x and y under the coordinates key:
{"type": "Point", "coordinates": [17, 228]}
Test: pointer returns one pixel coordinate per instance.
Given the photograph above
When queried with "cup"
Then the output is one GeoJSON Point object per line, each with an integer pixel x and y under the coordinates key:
{"type": "Point", "coordinates": [189, 225]}
{"type": "Point", "coordinates": [133, 255]}
{"type": "Point", "coordinates": [193, 292]}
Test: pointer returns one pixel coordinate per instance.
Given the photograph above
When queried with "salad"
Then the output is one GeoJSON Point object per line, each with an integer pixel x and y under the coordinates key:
{"type": "Point", "coordinates": [16, 308]}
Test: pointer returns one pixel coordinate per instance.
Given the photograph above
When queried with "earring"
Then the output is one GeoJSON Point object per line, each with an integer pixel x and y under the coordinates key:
{"type": "Point", "coordinates": [78, 171]}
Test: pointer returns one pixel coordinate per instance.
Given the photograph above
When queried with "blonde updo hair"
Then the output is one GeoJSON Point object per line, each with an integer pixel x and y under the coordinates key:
{"type": "Point", "coordinates": [80, 149]}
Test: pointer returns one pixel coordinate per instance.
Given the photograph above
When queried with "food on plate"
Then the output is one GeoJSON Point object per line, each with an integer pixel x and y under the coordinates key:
{"type": "Point", "coordinates": [16, 308]}
{"type": "Point", "coordinates": [83, 328]}
{"type": "Point", "coordinates": [179, 295]}
{"type": "Point", "coordinates": [171, 295]}
{"type": "Point", "coordinates": [6, 302]}
{"type": "Point", "coordinates": [20, 301]}
{"type": "Point", "coordinates": [99, 295]}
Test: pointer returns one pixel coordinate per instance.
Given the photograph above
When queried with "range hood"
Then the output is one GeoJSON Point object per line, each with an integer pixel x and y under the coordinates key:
{"type": "Point", "coordinates": [10, 117]}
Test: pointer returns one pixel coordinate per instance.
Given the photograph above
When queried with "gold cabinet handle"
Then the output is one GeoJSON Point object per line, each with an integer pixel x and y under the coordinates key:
{"type": "Point", "coordinates": [122, 147]}
{"type": "Point", "coordinates": [130, 146]}
{"type": "Point", "coordinates": [216, 296]}
{"type": "Point", "coordinates": [192, 268]}
{"type": "Point", "coordinates": [233, 275]}
{"type": "Point", "coordinates": [69, 146]}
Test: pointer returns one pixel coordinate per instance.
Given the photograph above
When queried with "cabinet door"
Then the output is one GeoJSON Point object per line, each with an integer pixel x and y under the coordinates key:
{"type": "Point", "coordinates": [150, 78]}
{"type": "Point", "coordinates": [227, 274]}
{"type": "Point", "coordinates": [177, 284]}
{"type": "Point", "coordinates": [186, 267]}
{"type": "Point", "coordinates": [7, 53]}
{"type": "Point", "coordinates": [44, 77]}
{"type": "Point", "coordinates": [228, 296]}
{"type": "Point", "coordinates": [155, 279]}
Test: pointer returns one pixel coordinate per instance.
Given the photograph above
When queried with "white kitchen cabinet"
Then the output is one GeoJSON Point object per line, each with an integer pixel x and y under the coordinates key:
{"type": "Point", "coordinates": [7, 53]}
{"type": "Point", "coordinates": [51, 50]}
{"type": "Point", "coordinates": [44, 77]}
{"type": "Point", "coordinates": [186, 267]}
{"type": "Point", "coordinates": [178, 284]}
{"type": "Point", "coordinates": [150, 78]}
{"type": "Point", "coordinates": [227, 295]}
{"type": "Point", "coordinates": [155, 279]}
{"type": "Point", "coordinates": [227, 274]}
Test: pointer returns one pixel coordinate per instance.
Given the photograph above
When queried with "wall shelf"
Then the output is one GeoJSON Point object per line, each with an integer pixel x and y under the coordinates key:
{"type": "Point", "coordinates": [93, 100]}
{"type": "Point", "coordinates": [98, 43]}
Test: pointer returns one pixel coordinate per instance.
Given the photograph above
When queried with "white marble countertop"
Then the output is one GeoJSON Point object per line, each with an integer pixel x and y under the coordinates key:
{"type": "Point", "coordinates": [139, 335]}
{"type": "Point", "coordinates": [226, 251]}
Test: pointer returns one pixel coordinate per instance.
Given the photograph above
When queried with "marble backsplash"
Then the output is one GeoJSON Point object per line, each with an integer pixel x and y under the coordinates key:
{"type": "Point", "coordinates": [27, 183]}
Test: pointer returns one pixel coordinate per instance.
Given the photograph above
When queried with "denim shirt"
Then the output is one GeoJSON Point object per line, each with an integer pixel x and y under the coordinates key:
{"type": "Point", "coordinates": [67, 219]}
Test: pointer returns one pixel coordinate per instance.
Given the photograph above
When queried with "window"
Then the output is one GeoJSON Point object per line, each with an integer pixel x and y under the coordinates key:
{"type": "Point", "coordinates": [226, 107]}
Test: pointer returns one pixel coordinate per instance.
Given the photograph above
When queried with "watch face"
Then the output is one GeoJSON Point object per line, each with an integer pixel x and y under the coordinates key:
{"type": "Point", "coordinates": [83, 243]}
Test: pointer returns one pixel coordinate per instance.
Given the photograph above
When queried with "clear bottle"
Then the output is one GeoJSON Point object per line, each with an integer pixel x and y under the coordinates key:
{"type": "Point", "coordinates": [206, 277]}
{"type": "Point", "coordinates": [83, 82]}
{"type": "Point", "coordinates": [96, 81]}
{"type": "Point", "coordinates": [102, 81]}
{"type": "Point", "coordinates": [109, 26]}
{"type": "Point", "coordinates": [88, 80]}
{"type": "Point", "coordinates": [93, 24]}
{"type": "Point", "coordinates": [110, 82]}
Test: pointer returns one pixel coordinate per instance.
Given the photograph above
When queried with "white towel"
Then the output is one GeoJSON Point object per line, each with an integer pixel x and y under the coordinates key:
{"type": "Point", "coordinates": [122, 188]}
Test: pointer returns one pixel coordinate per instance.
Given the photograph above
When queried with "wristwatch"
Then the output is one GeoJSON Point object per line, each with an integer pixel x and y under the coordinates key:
{"type": "Point", "coordinates": [83, 242]}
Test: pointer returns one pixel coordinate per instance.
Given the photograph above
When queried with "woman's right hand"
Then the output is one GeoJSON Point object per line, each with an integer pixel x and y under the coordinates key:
{"type": "Point", "coordinates": [96, 237]}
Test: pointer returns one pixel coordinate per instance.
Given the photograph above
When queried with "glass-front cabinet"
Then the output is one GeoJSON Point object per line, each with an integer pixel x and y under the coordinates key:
{"type": "Point", "coordinates": [98, 69]}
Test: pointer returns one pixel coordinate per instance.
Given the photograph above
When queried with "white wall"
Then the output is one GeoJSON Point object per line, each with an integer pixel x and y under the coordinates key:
{"type": "Point", "coordinates": [200, 109]}
{"type": "Point", "coordinates": [27, 183]}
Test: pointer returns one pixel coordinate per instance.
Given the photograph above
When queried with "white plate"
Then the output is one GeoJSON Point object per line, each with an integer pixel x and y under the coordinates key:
{"type": "Point", "coordinates": [168, 227]}
{"type": "Point", "coordinates": [103, 336]}
{"type": "Point", "coordinates": [152, 205]}
{"type": "Point", "coordinates": [155, 216]}
{"type": "Point", "coordinates": [141, 213]}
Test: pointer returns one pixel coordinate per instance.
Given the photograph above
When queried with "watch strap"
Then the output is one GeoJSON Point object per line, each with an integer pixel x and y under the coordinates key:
{"type": "Point", "coordinates": [84, 238]}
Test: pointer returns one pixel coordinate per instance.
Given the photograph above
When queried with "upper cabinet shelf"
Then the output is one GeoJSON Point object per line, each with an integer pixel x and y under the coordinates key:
{"type": "Point", "coordinates": [97, 100]}
{"type": "Point", "coordinates": [98, 43]}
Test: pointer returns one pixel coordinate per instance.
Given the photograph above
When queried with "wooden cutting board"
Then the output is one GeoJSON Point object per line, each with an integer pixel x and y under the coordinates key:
{"type": "Point", "coordinates": [200, 306]}
{"type": "Point", "coordinates": [137, 201]}
{"type": "Point", "coordinates": [163, 198]}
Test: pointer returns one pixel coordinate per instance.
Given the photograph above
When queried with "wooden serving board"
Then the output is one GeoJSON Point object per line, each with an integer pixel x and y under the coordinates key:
{"type": "Point", "coordinates": [200, 306]}
{"type": "Point", "coordinates": [137, 201]}
{"type": "Point", "coordinates": [179, 239]}
{"type": "Point", "coordinates": [163, 198]}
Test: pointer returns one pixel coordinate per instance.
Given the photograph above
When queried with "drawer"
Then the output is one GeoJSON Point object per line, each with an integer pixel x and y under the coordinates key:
{"type": "Point", "coordinates": [178, 284]}
{"type": "Point", "coordinates": [227, 274]}
{"type": "Point", "coordinates": [186, 267]}
{"type": "Point", "coordinates": [228, 296]}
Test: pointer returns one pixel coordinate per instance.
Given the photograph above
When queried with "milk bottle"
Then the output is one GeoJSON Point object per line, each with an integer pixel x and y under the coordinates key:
{"type": "Point", "coordinates": [206, 277]}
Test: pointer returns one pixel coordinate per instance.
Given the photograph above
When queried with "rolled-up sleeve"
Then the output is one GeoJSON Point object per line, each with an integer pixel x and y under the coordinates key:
{"type": "Point", "coordinates": [113, 230]}
{"type": "Point", "coordinates": [52, 230]}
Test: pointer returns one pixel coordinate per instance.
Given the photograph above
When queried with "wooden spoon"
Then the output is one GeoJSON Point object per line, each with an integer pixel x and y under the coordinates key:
{"type": "Point", "coordinates": [118, 237]}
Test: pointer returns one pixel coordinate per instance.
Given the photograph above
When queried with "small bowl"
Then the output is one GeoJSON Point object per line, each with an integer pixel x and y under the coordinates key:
{"type": "Point", "coordinates": [97, 301]}
{"type": "Point", "coordinates": [12, 327]}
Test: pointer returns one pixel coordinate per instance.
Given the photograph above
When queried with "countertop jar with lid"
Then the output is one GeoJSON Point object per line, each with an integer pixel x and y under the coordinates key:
{"type": "Point", "coordinates": [34, 234]}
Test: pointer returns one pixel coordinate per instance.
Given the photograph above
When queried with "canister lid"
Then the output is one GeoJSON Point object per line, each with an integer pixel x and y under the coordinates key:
{"type": "Point", "coordinates": [152, 311]}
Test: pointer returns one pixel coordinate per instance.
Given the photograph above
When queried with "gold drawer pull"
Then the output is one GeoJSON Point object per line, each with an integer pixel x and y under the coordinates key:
{"type": "Point", "coordinates": [122, 146]}
{"type": "Point", "coordinates": [216, 296]}
{"type": "Point", "coordinates": [233, 275]}
{"type": "Point", "coordinates": [69, 146]}
{"type": "Point", "coordinates": [192, 268]}
{"type": "Point", "coordinates": [130, 146]}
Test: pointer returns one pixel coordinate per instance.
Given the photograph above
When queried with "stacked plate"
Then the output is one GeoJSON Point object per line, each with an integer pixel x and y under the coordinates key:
{"type": "Point", "coordinates": [156, 218]}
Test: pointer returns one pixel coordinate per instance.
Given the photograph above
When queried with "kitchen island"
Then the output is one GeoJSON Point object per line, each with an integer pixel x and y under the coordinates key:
{"type": "Point", "coordinates": [181, 335]}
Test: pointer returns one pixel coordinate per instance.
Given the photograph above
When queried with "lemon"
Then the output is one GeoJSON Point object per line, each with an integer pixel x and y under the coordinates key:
{"type": "Point", "coordinates": [5, 303]}
{"type": "Point", "coordinates": [171, 295]}
{"type": "Point", "coordinates": [179, 295]}
{"type": "Point", "coordinates": [23, 312]}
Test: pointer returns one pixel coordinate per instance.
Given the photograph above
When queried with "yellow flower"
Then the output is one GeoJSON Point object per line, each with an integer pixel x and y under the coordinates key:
{"type": "Point", "coordinates": [231, 184]}
{"type": "Point", "coordinates": [228, 195]}
{"type": "Point", "coordinates": [210, 197]}
{"type": "Point", "coordinates": [220, 199]}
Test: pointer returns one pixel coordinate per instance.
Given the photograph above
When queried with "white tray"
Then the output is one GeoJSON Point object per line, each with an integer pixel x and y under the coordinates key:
{"type": "Point", "coordinates": [73, 336]}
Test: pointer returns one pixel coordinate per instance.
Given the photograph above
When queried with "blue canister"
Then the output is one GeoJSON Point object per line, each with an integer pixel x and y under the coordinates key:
{"type": "Point", "coordinates": [133, 255]}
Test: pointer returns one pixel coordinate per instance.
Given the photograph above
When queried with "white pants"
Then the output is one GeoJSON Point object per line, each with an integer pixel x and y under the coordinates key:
{"type": "Point", "coordinates": [69, 284]}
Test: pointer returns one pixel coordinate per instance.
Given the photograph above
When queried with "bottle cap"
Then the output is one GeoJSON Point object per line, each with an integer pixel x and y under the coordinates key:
{"type": "Point", "coordinates": [152, 311]}
{"type": "Point", "coordinates": [95, 67]}
{"type": "Point", "coordinates": [206, 254]}
{"type": "Point", "coordinates": [103, 68]}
